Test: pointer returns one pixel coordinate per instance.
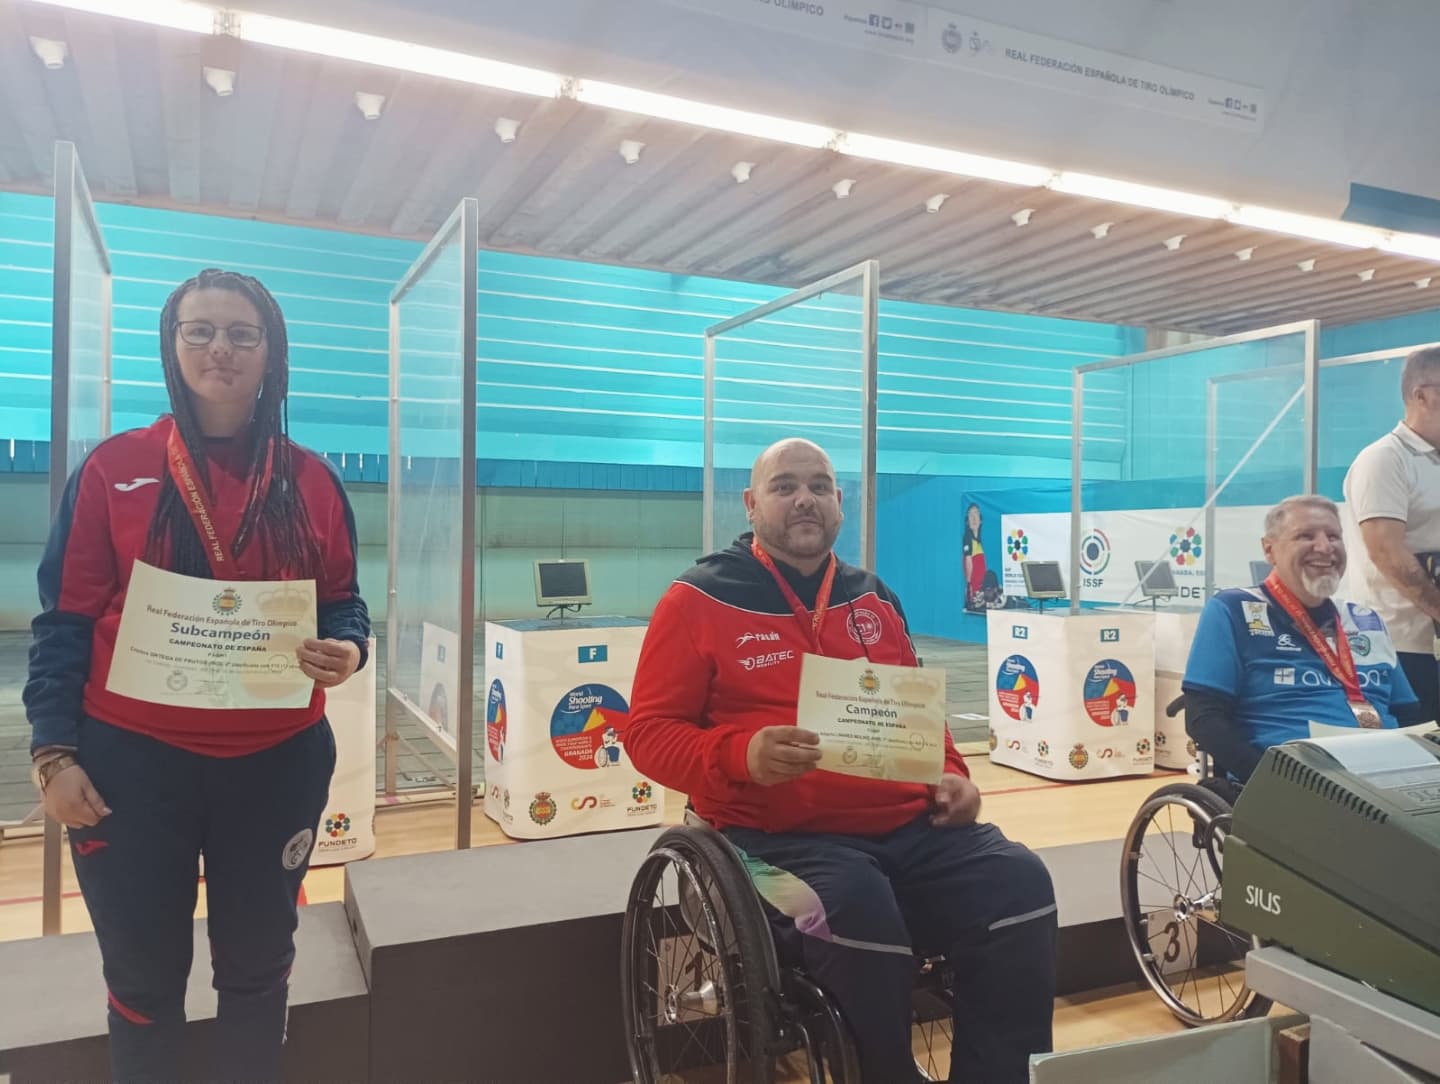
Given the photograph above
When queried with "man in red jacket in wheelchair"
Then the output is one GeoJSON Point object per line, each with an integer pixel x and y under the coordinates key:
{"type": "Point", "coordinates": [855, 874]}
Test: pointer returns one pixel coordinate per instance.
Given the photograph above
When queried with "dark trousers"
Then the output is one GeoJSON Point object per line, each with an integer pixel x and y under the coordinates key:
{"type": "Point", "coordinates": [253, 818]}
{"type": "Point", "coordinates": [1423, 673]}
{"type": "Point", "coordinates": [853, 911]}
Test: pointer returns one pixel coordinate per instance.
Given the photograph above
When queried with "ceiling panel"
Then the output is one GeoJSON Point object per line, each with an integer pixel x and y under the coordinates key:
{"type": "Point", "coordinates": [291, 145]}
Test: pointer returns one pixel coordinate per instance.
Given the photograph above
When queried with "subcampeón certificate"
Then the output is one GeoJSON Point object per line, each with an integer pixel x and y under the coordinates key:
{"type": "Point", "coordinates": [875, 721]}
{"type": "Point", "coordinates": [189, 642]}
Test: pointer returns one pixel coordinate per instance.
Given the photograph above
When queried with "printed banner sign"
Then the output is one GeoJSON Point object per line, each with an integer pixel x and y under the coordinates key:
{"type": "Point", "coordinates": [955, 40]}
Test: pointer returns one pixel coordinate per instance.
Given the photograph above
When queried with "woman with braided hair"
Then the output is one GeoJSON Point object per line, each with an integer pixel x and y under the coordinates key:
{"type": "Point", "coordinates": [214, 490]}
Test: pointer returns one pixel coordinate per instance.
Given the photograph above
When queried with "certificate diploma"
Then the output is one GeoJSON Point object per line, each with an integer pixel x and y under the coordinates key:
{"type": "Point", "coordinates": [195, 643]}
{"type": "Point", "coordinates": [874, 721]}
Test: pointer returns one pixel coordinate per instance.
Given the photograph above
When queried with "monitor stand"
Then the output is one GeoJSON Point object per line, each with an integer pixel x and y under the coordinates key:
{"type": "Point", "coordinates": [561, 610]}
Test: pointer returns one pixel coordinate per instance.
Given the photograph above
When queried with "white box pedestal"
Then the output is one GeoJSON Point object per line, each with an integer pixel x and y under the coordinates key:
{"type": "Point", "coordinates": [1174, 633]}
{"type": "Point", "coordinates": [1072, 695]}
{"type": "Point", "coordinates": [557, 703]}
{"type": "Point", "coordinates": [347, 827]}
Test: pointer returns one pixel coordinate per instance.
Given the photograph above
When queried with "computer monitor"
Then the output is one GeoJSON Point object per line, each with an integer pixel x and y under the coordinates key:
{"type": "Point", "coordinates": [1043, 579]}
{"type": "Point", "coordinates": [562, 583]}
{"type": "Point", "coordinates": [1259, 572]}
{"type": "Point", "coordinates": [1157, 579]}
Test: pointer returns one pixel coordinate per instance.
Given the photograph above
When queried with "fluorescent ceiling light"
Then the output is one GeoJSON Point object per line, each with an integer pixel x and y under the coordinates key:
{"type": "Point", "coordinates": [665, 107]}
{"type": "Point", "coordinates": [1329, 230]}
{"type": "Point", "coordinates": [175, 14]}
{"type": "Point", "coordinates": [1140, 195]}
{"type": "Point", "coordinates": [388, 53]}
{"type": "Point", "coordinates": [1412, 244]}
{"type": "Point", "coordinates": [921, 156]}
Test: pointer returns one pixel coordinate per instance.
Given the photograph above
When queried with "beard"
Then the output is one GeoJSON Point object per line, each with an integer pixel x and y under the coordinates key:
{"type": "Point", "coordinates": [780, 540]}
{"type": "Point", "coordinates": [1321, 586]}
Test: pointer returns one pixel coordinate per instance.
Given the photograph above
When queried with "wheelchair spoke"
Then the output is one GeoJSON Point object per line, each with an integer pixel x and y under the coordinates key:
{"type": "Point", "coordinates": [1191, 969]}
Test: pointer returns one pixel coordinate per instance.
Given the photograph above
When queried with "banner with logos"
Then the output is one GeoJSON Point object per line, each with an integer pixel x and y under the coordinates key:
{"type": "Point", "coordinates": [940, 36]}
{"type": "Point", "coordinates": [1112, 542]}
{"type": "Point", "coordinates": [347, 827]}
{"type": "Point", "coordinates": [1072, 696]}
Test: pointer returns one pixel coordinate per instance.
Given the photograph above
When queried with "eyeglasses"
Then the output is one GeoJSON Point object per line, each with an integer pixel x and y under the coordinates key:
{"type": "Point", "coordinates": [240, 336]}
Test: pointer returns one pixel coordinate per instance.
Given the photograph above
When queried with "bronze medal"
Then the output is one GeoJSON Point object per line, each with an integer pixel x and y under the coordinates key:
{"type": "Point", "coordinates": [1366, 715]}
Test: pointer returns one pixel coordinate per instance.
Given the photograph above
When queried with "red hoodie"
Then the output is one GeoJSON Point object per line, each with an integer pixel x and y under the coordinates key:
{"type": "Point", "coordinates": [99, 533]}
{"type": "Point", "coordinates": [722, 660]}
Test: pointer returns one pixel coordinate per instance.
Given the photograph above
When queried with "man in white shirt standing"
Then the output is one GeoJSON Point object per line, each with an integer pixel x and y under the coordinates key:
{"type": "Point", "coordinates": [1392, 491]}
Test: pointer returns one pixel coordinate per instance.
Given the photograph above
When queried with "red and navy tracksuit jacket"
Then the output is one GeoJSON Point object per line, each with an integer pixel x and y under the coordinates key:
{"type": "Point", "coordinates": [722, 659]}
{"type": "Point", "coordinates": [99, 532]}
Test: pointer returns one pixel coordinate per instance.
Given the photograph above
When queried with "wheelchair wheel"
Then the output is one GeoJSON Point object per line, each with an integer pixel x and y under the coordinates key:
{"type": "Point", "coordinates": [932, 1012]}
{"type": "Point", "coordinates": [820, 1031]}
{"type": "Point", "coordinates": [1170, 893]}
{"type": "Point", "coordinates": [697, 967]}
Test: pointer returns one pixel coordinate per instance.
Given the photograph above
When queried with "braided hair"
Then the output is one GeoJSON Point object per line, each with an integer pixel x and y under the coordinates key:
{"type": "Point", "coordinates": [277, 518]}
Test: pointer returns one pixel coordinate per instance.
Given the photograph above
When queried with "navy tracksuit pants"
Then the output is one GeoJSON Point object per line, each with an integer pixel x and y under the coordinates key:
{"type": "Point", "coordinates": [854, 910]}
{"type": "Point", "coordinates": [253, 817]}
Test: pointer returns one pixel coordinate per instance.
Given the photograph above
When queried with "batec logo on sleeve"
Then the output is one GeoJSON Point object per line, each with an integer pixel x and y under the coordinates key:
{"type": "Point", "coordinates": [1017, 687]}
{"type": "Point", "coordinates": [588, 725]}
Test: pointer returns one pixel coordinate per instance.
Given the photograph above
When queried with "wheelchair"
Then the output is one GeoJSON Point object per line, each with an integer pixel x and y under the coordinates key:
{"type": "Point", "coordinates": [705, 997]}
{"type": "Point", "coordinates": [1170, 895]}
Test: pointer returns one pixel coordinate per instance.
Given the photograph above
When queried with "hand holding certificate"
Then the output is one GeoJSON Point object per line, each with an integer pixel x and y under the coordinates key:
{"type": "Point", "coordinates": [874, 721]}
{"type": "Point", "coordinates": [190, 642]}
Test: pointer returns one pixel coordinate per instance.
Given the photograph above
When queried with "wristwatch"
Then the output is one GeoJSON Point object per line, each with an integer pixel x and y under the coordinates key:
{"type": "Point", "coordinates": [48, 767]}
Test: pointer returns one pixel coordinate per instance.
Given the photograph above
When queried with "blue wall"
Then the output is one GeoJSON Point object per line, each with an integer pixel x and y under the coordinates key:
{"type": "Point", "coordinates": [579, 363]}
{"type": "Point", "coordinates": [591, 379]}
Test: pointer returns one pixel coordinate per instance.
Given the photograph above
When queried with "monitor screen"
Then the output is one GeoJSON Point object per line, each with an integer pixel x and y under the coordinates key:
{"type": "Point", "coordinates": [1259, 572]}
{"type": "Point", "coordinates": [558, 582]}
{"type": "Point", "coordinates": [1043, 579]}
{"type": "Point", "coordinates": [1157, 579]}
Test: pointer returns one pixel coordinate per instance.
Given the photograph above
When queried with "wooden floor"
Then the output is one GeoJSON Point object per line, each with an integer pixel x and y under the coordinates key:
{"type": "Point", "coordinates": [1035, 811]}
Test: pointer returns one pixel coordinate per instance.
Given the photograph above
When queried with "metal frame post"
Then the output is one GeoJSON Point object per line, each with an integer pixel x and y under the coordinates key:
{"type": "Point", "coordinates": [462, 227]}
{"type": "Point", "coordinates": [707, 498]}
{"type": "Point", "coordinates": [869, 394]}
{"type": "Point", "coordinates": [1309, 328]}
{"type": "Point", "coordinates": [1312, 406]}
{"type": "Point", "coordinates": [869, 275]}
{"type": "Point", "coordinates": [75, 217]}
{"type": "Point", "coordinates": [1077, 500]}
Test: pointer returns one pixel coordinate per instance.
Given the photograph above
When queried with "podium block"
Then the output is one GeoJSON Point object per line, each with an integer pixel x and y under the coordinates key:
{"type": "Point", "coordinates": [557, 704]}
{"type": "Point", "coordinates": [1174, 633]}
{"type": "Point", "coordinates": [1072, 695]}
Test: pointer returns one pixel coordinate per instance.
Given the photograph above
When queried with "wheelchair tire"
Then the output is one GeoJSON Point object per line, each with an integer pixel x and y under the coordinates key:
{"type": "Point", "coordinates": [932, 1008]}
{"type": "Point", "coordinates": [1176, 885]}
{"type": "Point", "coordinates": [699, 981]}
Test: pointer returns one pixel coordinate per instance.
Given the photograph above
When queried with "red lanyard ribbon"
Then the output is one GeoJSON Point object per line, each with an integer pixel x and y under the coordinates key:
{"type": "Point", "coordinates": [199, 503]}
{"type": "Point", "coordinates": [811, 623]}
{"type": "Point", "coordinates": [1338, 659]}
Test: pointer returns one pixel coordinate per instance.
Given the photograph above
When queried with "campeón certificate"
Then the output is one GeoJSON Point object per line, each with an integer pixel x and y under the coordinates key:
{"type": "Point", "coordinates": [874, 721]}
{"type": "Point", "coordinates": [189, 642]}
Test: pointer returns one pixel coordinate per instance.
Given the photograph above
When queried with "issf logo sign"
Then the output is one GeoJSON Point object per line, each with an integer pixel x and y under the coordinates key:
{"type": "Point", "coordinates": [1094, 557]}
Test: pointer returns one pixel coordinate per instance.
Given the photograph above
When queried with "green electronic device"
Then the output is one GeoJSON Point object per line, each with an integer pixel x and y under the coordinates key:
{"type": "Point", "coordinates": [1334, 854]}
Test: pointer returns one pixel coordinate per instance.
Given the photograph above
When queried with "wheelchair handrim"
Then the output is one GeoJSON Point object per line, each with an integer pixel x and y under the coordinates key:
{"type": "Point", "coordinates": [640, 1023]}
{"type": "Point", "coordinates": [1137, 914]}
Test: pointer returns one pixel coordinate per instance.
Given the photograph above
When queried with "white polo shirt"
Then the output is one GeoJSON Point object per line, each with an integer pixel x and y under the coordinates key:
{"type": "Point", "coordinates": [1397, 477]}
